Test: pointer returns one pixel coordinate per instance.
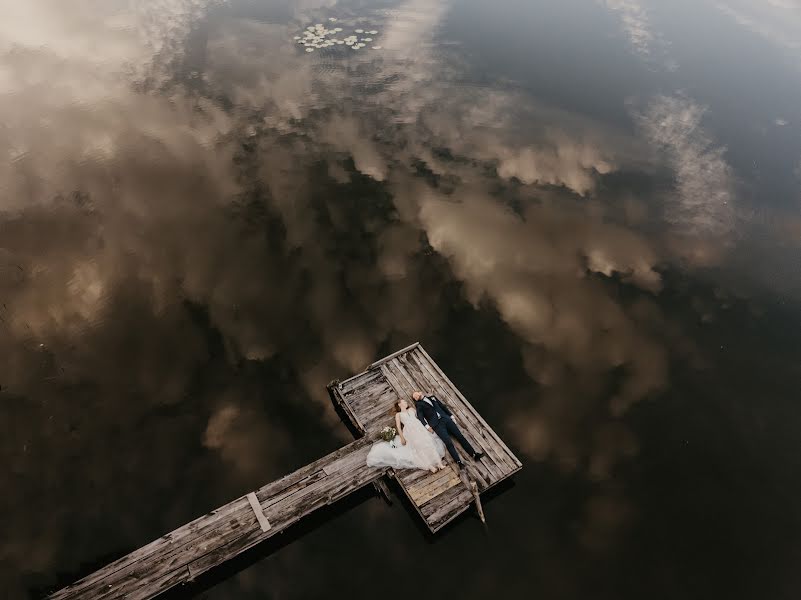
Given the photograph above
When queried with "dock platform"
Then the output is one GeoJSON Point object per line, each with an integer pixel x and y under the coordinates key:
{"type": "Point", "coordinates": [368, 400]}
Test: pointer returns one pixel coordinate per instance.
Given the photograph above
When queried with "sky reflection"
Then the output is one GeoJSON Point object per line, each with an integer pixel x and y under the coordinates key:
{"type": "Point", "coordinates": [586, 211]}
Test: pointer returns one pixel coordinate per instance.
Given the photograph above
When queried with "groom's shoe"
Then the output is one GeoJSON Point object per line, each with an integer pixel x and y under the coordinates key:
{"type": "Point", "coordinates": [478, 455]}
{"type": "Point", "coordinates": [460, 464]}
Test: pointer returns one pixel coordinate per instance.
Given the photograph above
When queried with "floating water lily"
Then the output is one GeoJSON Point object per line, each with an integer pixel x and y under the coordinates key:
{"type": "Point", "coordinates": [317, 37]}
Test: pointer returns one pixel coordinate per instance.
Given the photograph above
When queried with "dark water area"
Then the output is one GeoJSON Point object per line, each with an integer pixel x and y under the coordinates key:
{"type": "Point", "coordinates": [586, 211]}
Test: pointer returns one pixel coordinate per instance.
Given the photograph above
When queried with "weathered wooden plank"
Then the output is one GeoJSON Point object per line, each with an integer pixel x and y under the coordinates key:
{"type": "Point", "coordinates": [163, 562]}
{"type": "Point", "coordinates": [165, 583]}
{"type": "Point", "coordinates": [198, 527]}
{"type": "Point", "coordinates": [267, 499]}
{"type": "Point", "coordinates": [336, 395]}
{"type": "Point", "coordinates": [407, 383]}
{"type": "Point", "coordinates": [356, 460]}
{"type": "Point", "coordinates": [279, 514]}
{"type": "Point", "coordinates": [379, 417]}
{"type": "Point", "coordinates": [427, 381]}
{"type": "Point", "coordinates": [394, 354]}
{"type": "Point", "coordinates": [364, 382]}
{"type": "Point", "coordinates": [412, 502]}
{"type": "Point", "coordinates": [472, 409]}
{"type": "Point", "coordinates": [438, 502]}
{"type": "Point", "coordinates": [431, 477]}
{"type": "Point", "coordinates": [252, 538]}
{"type": "Point", "coordinates": [324, 485]}
{"type": "Point", "coordinates": [149, 574]}
{"type": "Point", "coordinates": [394, 383]}
{"type": "Point", "coordinates": [433, 504]}
{"type": "Point", "coordinates": [410, 476]}
{"type": "Point", "coordinates": [378, 424]}
{"type": "Point", "coordinates": [449, 512]}
{"type": "Point", "coordinates": [356, 480]}
{"type": "Point", "coordinates": [415, 372]}
{"type": "Point", "coordinates": [242, 537]}
{"type": "Point", "coordinates": [383, 396]}
{"type": "Point", "coordinates": [368, 393]}
{"type": "Point", "coordinates": [440, 489]}
{"type": "Point", "coordinates": [270, 489]}
{"type": "Point", "coordinates": [381, 405]}
{"type": "Point", "coordinates": [362, 389]}
{"type": "Point", "coordinates": [429, 481]}
{"type": "Point", "coordinates": [416, 380]}
{"type": "Point", "coordinates": [472, 429]}
{"type": "Point", "coordinates": [452, 499]}
{"type": "Point", "coordinates": [423, 494]}
{"type": "Point", "coordinates": [354, 378]}
{"type": "Point", "coordinates": [395, 367]}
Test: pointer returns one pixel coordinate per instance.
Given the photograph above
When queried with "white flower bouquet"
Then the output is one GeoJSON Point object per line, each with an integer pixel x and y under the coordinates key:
{"type": "Point", "coordinates": [388, 434]}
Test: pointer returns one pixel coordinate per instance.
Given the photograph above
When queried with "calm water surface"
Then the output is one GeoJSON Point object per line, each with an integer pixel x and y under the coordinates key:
{"type": "Point", "coordinates": [587, 211]}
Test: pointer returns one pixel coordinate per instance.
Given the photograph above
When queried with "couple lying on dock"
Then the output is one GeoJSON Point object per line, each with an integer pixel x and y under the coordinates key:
{"type": "Point", "coordinates": [424, 432]}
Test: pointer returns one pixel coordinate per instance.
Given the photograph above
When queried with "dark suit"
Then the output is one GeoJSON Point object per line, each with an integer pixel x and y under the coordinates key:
{"type": "Point", "coordinates": [437, 416]}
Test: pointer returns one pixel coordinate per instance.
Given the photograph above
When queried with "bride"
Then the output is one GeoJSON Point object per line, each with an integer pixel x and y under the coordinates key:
{"type": "Point", "coordinates": [413, 448]}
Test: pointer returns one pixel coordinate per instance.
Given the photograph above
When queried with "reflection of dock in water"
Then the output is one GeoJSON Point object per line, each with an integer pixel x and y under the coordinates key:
{"type": "Point", "coordinates": [367, 400]}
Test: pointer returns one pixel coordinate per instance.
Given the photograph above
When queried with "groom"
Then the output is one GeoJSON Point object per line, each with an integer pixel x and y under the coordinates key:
{"type": "Point", "coordinates": [437, 418]}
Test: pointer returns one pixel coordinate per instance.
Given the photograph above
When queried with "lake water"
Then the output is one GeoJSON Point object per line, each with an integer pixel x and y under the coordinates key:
{"type": "Point", "coordinates": [587, 211]}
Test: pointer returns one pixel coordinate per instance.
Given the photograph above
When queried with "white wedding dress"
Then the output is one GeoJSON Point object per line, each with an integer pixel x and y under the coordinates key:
{"type": "Point", "coordinates": [423, 448]}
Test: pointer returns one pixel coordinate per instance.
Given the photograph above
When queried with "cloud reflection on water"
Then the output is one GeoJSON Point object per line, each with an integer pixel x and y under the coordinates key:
{"type": "Point", "coordinates": [131, 195]}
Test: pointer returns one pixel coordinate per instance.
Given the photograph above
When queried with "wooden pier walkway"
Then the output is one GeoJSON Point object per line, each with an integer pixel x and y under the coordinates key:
{"type": "Point", "coordinates": [196, 547]}
{"type": "Point", "coordinates": [368, 401]}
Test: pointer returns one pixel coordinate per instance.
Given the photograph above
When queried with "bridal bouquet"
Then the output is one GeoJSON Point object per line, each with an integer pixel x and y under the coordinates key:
{"type": "Point", "coordinates": [388, 434]}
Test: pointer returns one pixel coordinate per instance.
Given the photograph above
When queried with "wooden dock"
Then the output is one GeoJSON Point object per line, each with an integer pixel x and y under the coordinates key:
{"type": "Point", "coordinates": [368, 401]}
